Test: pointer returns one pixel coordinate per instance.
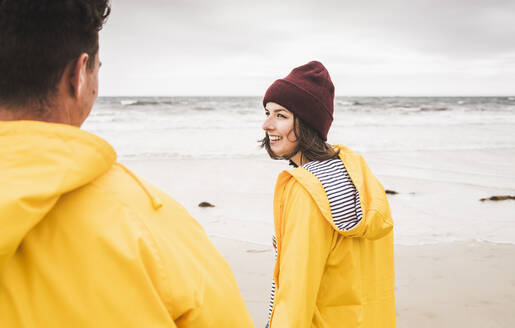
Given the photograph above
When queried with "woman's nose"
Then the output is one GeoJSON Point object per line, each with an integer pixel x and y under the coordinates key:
{"type": "Point", "coordinates": [267, 124]}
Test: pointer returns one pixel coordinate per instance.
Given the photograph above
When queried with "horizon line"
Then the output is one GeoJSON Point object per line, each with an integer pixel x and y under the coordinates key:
{"type": "Point", "coordinates": [347, 96]}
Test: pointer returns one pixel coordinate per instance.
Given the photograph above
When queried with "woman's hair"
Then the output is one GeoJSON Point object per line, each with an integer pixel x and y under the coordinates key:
{"type": "Point", "coordinates": [311, 144]}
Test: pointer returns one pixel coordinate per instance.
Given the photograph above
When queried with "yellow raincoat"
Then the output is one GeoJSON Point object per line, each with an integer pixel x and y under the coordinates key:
{"type": "Point", "coordinates": [326, 277]}
{"type": "Point", "coordinates": [85, 243]}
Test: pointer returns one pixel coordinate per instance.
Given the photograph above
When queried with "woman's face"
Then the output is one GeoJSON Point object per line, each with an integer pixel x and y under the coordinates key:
{"type": "Point", "coordinates": [278, 126]}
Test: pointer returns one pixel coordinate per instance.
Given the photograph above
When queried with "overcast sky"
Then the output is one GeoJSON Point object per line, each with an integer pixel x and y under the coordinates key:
{"type": "Point", "coordinates": [238, 47]}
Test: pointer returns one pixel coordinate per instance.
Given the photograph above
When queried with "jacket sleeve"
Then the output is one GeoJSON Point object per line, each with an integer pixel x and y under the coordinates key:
{"type": "Point", "coordinates": [304, 245]}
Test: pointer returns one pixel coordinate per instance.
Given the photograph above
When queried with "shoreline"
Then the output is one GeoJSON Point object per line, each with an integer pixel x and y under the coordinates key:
{"type": "Point", "coordinates": [469, 241]}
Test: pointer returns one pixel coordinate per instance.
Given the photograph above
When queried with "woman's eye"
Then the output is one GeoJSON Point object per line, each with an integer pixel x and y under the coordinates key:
{"type": "Point", "coordinates": [281, 116]}
{"type": "Point", "coordinates": [267, 113]}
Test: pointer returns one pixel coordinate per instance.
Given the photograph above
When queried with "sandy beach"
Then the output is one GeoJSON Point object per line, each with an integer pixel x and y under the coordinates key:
{"type": "Point", "coordinates": [446, 285]}
{"type": "Point", "coordinates": [454, 254]}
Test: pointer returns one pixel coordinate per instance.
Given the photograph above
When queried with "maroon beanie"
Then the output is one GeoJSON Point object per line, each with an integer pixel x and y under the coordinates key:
{"type": "Point", "coordinates": [308, 92]}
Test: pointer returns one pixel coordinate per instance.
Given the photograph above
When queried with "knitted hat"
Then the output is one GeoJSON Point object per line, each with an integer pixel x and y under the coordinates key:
{"type": "Point", "coordinates": [308, 92]}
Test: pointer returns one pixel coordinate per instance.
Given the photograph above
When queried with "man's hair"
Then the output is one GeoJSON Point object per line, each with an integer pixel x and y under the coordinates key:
{"type": "Point", "coordinates": [38, 39]}
{"type": "Point", "coordinates": [311, 144]}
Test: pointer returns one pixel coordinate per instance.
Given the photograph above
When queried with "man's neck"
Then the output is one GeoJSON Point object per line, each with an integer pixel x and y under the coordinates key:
{"type": "Point", "coordinates": [23, 113]}
{"type": "Point", "coordinates": [58, 114]}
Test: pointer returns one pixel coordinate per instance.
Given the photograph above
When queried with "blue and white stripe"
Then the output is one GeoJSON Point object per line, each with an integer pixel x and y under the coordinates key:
{"type": "Point", "coordinates": [272, 292]}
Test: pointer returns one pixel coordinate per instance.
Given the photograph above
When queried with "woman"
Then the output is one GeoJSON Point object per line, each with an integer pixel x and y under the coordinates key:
{"type": "Point", "coordinates": [333, 227]}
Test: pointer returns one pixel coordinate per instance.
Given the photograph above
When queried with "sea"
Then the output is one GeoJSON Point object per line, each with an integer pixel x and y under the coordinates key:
{"type": "Point", "coordinates": [458, 149]}
{"type": "Point", "coordinates": [228, 127]}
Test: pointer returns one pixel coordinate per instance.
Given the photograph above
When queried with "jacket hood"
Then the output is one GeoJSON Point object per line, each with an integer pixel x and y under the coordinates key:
{"type": "Point", "coordinates": [40, 162]}
{"type": "Point", "coordinates": [371, 218]}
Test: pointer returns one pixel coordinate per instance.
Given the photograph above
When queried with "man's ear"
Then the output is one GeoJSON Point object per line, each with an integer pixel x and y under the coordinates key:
{"type": "Point", "coordinates": [78, 77]}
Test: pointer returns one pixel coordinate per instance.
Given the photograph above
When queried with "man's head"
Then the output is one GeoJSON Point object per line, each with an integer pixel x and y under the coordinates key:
{"type": "Point", "coordinates": [49, 54]}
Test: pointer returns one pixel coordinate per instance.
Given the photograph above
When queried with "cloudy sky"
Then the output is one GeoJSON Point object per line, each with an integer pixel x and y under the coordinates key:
{"type": "Point", "coordinates": [370, 47]}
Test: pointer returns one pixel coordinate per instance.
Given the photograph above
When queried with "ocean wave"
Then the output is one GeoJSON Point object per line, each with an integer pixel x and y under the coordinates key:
{"type": "Point", "coordinates": [128, 102]}
{"type": "Point", "coordinates": [149, 103]}
{"type": "Point", "coordinates": [144, 102]}
{"type": "Point", "coordinates": [433, 109]}
{"type": "Point", "coordinates": [258, 153]}
{"type": "Point", "coordinates": [204, 108]}
{"type": "Point", "coordinates": [419, 123]}
{"type": "Point", "coordinates": [344, 103]}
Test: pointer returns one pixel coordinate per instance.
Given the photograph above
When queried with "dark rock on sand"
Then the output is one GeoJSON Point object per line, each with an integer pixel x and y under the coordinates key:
{"type": "Point", "coordinates": [206, 204]}
{"type": "Point", "coordinates": [497, 198]}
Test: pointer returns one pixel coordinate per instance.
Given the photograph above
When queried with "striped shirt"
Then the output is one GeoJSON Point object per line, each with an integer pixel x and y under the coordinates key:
{"type": "Point", "coordinates": [343, 200]}
{"type": "Point", "coordinates": [341, 192]}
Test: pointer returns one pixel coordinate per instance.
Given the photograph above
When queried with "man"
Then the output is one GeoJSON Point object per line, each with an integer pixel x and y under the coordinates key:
{"type": "Point", "coordinates": [83, 241]}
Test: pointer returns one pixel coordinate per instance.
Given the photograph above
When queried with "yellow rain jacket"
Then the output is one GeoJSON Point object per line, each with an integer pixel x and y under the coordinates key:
{"type": "Point", "coordinates": [324, 276]}
{"type": "Point", "coordinates": [85, 243]}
